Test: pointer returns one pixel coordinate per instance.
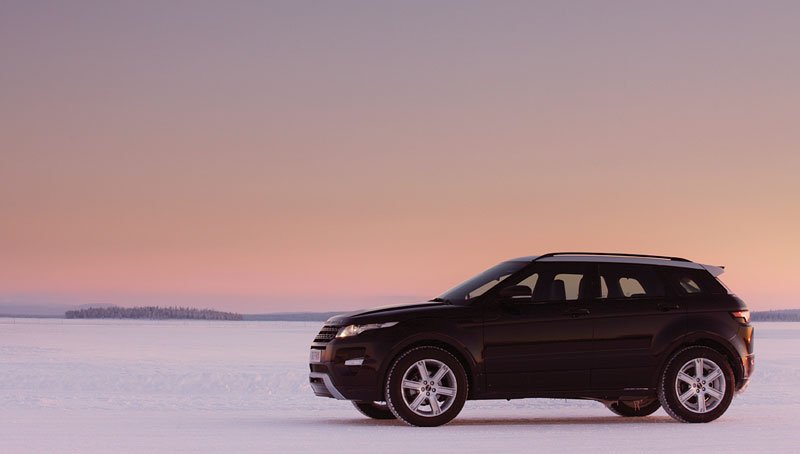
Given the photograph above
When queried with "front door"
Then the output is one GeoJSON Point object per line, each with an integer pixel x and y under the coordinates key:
{"type": "Point", "coordinates": [541, 342]}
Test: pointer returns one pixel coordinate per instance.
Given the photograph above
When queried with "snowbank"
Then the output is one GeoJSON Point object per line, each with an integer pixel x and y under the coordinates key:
{"type": "Point", "coordinates": [143, 386]}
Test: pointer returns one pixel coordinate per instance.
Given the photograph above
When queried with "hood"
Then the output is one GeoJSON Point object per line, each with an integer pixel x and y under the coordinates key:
{"type": "Point", "coordinates": [390, 313]}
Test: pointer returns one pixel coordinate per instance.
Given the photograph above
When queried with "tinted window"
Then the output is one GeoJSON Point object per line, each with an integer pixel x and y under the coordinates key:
{"type": "Point", "coordinates": [631, 286]}
{"type": "Point", "coordinates": [571, 284]}
{"type": "Point", "coordinates": [688, 285]}
{"type": "Point", "coordinates": [527, 280]}
{"type": "Point", "coordinates": [530, 281]}
{"type": "Point", "coordinates": [629, 281]}
{"type": "Point", "coordinates": [691, 282]}
{"type": "Point", "coordinates": [486, 287]}
{"type": "Point", "coordinates": [483, 282]}
{"type": "Point", "coordinates": [562, 282]}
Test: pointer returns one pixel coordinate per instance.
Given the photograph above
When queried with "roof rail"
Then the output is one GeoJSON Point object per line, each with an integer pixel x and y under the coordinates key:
{"type": "Point", "coordinates": [612, 254]}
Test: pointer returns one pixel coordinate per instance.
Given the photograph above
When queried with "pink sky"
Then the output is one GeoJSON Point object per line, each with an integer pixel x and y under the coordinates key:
{"type": "Point", "coordinates": [262, 156]}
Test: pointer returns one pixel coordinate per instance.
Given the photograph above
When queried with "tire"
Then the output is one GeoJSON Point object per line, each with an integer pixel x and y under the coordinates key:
{"type": "Point", "coordinates": [692, 396]}
{"type": "Point", "coordinates": [374, 410]}
{"type": "Point", "coordinates": [634, 408]}
{"type": "Point", "coordinates": [426, 386]}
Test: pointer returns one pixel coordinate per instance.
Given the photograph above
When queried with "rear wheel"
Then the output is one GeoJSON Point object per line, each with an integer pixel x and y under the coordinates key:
{"type": "Point", "coordinates": [633, 408]}
{"type": "Point", "coordinates": [374, 410]}
{"type": "Point", "coordinates": [426, 386]}
{"type": "Point", "coordinates": [697, 385]}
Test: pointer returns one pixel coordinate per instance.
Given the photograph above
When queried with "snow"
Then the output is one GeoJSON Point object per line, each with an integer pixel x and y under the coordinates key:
{"type": "Point", "coordinates": [141, 386]}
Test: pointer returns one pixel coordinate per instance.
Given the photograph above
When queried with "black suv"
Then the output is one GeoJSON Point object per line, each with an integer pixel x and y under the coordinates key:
{"type": "Point", "coordinates": [635, 332]}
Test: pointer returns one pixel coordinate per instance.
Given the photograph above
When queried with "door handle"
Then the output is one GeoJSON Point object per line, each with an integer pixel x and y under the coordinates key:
{"type": "Point", "coordinates": [575, 313]}
{"type": "Point", "coordinates": [668, 307]}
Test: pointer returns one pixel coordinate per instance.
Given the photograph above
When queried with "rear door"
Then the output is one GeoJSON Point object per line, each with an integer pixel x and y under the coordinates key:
{"type": "Point", "coordinates": [541, 342]}
{"type": "Point", "coordinates": [635, 318]}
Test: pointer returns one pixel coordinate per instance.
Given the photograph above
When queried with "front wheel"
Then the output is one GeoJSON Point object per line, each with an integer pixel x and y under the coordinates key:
{"type": "Point", "coordinates": [633, 408]}
{"type": "Point", "coordinates": [426, 386]}
{"type": "Point", "coordinates": [697, 385]}
{"type": "Point", "coordinates": [374, 410]}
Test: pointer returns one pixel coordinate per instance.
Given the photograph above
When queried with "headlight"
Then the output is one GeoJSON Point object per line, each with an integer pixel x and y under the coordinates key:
{"type": "Point", "coordinates": [355, 330]}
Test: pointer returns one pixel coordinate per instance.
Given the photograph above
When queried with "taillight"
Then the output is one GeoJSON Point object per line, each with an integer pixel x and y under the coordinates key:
{"type": "Point", "coordinates": [742, 317]}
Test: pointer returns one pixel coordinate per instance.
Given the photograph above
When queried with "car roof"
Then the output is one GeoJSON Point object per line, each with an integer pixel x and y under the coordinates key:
{"type": "Point", "coordinates": [622, 258]}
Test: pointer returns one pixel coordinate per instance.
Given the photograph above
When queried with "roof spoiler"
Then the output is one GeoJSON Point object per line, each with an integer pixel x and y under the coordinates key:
{"type": "Point", "coordinates": [714, 270]}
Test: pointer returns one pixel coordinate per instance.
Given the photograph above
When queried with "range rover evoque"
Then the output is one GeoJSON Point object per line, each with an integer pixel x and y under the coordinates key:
{"type": "Point", "coordinates": [634, 332]}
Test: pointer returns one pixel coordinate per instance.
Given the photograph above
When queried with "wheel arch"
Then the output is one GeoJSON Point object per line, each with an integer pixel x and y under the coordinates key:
{"type": "Point", "coordinates": [711, 341]}
{"type": "Point", "coordinates": [463, 357]}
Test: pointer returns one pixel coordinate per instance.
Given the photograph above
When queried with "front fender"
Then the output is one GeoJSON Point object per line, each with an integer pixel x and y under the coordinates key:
{"type": "Point", "coordinates": [464, 340]}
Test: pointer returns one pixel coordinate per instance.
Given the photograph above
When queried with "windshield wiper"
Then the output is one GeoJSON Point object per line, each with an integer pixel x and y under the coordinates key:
{"type": "Point", "coordinates": [441, 300]}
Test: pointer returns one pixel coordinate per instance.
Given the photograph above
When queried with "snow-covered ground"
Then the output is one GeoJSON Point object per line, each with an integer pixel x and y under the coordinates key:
{"type": "Point", "coordinates": [140, 386]}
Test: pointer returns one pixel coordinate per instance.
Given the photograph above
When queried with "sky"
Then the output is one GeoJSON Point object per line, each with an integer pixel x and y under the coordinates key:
{"type": "Point", "coordinates": [300, 155]}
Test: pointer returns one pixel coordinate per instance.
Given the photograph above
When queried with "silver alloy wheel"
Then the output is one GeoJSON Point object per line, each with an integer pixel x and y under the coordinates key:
{"type": "Point", "coordinates": [700, 385]}
{"type": "Point", "coordinates": [429, 387]}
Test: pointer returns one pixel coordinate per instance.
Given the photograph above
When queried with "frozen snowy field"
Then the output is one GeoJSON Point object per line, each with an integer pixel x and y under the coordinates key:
{"type": "Point", "coordinates": [118, 386]}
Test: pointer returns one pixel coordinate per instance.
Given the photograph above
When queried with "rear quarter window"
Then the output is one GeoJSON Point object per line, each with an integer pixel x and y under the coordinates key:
{"type": "Point", "coordinates": [695, 282]}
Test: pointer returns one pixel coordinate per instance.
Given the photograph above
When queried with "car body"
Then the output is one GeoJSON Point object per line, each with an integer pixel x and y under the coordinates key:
{"type": "Point", "coordinates": [601, 326]}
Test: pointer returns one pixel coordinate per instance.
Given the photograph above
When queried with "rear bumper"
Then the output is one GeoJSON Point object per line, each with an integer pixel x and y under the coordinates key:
{"type": "Point", "coordinates": [744, 342]}
{"type": "Point", "coordinates": [748, 366]}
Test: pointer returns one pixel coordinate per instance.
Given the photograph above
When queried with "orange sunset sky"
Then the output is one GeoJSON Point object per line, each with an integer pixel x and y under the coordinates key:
{"type": "Point", "coordinates": [292, 156]}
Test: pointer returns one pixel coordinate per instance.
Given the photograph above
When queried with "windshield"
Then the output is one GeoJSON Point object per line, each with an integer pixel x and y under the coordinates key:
{"type": "Point", "coordinates": [482, 283]}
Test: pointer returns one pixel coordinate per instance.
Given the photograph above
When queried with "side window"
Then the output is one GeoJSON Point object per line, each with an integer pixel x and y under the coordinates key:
{"type": "Point", "coordinates": [691, 282]}
{"type": "Point", "coordinates": [485, 287]}
{"type": "Point", "coordinates": [624, 281]}
{"type": "Point", "coordinates": [565, 281]}
{"type": "Point", "coordinates": [631, 287]}
{"type": "Point", "coordinates": [530, 281]}
{"type": "Point", "coordinates": [689, 285]}
{"type": "Point", "coordinates": [570, 283]}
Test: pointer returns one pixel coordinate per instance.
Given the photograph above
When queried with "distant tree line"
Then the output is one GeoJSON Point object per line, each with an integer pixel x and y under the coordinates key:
{"type": "Point", "coordinates": [292, 316]}
{"type": "Point", "coordinates": [188, 313]}
{"type": "Point", "coordinates": [153, 313]}
{"type": "Point", "coordinates": [785, 315]}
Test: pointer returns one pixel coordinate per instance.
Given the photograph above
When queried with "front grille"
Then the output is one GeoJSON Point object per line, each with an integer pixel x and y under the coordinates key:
{"type": "Point", "coordinates": [327, 333]}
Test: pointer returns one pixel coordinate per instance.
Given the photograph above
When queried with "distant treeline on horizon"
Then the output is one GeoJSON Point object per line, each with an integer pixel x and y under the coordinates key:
{"type": "Point", "coordinates": [292, 316]}
{"type": "Point", "coordinates": [166, 313]}
{"type": "Point", "coordinates": [153, 313]}
{"type": "Point", "coordinates": [781, 315]}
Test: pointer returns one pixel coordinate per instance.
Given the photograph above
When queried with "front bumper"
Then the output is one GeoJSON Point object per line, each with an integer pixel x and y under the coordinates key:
{"type": "Point", "coordinates": [347, 369]}
{"type": "Point", "coordinates": [323, 386]}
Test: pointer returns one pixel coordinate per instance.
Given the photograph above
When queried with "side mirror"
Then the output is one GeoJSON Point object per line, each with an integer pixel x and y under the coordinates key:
{"type": "Point", "coordinates": [515, 291]}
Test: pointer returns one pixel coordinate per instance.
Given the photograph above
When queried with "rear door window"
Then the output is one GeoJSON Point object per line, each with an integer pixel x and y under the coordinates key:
{"type": "Point", "coordinates": [627, 281]}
